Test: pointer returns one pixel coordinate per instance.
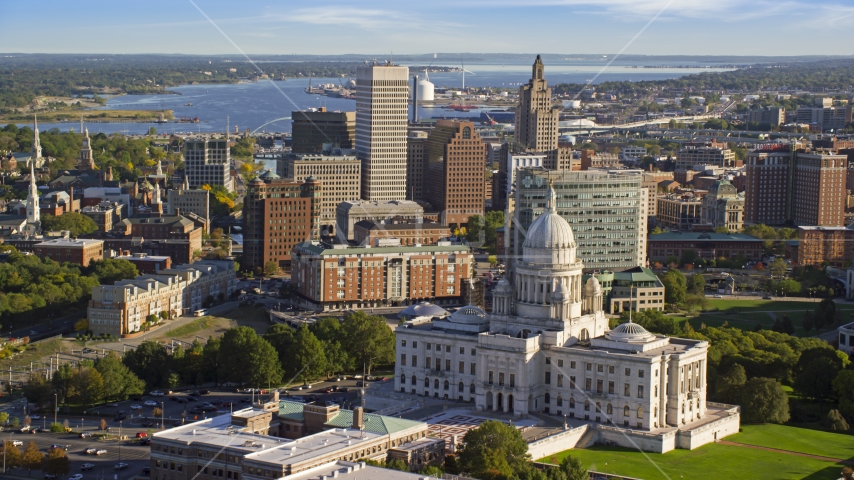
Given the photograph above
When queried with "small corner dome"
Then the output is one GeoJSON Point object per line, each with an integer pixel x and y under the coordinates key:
{"type": "Point", "coordinates": [502, 286]}
{"type": "Point", "coordinates": [629, 333]}
{"type": "Point", "coordinates": [422, 309]}
{"type": "Point", "coordinates": [468, 315]}
{"type": "Point", "coordinates": [593, 286]}
{"type": "Point", "coordinates": [269, 175]}
{"type": "Point", "coordinates": [560, 292]}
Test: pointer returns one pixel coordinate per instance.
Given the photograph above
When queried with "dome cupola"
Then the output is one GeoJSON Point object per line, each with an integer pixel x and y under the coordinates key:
{"type": "Point", "coordinates": [549, 239]}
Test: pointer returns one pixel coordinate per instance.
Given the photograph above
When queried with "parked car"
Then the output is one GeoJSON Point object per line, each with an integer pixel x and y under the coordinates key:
{"type": "Point", "coordinates": [91, 451]}
{"type": "Point", "coordinates": [151, 403]}
{"type": "Point", "coordinates": [50, 476]}
{"type": "Point", "coordinates": [156, 393]}
{"type": "Point", "coordinates": [121, 466]}
{"type": "Point", "coordinates": [141, 434]}
{"type": "Point", "coordinates": [76, 476]}
{"type": "Point", "coordinates": [145, 441]}
{"type": "Point", "coordinates": [113, 404]}
{"type": "Point", "coordinates": [85, 435]}
{"type": "Point", "coordinates": [100, 451]}
{"type": "Point", "coordinates": [17, 443]}
{"type": "Point", "coordinates": [146, 471]}
{"type": "Point", "coordinates": [87, 466]}
{"type": "Point", "coordinates": [136, 407]}
{"type": "Point", "coordinates": [35, 417]}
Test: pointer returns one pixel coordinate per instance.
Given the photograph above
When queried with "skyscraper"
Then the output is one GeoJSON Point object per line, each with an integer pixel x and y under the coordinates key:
{"type": "Point", "coordinates": [87, 161]}
{"type": "Point", "coordinates": [536, 120]}
{"type": "Point", "coordinates": [382, 96]}
{"type": "Point", "coordinates": [818, 193]}
{"type": "Point", "coordinates": [453, 173]}
{"type": "Point", "coordinates": [312, 128]}
{"type": "Point", "coordinates": [767, 187]}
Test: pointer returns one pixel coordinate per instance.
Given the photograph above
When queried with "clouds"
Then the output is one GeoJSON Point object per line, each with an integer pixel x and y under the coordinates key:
{"type": "Point", "coordinates": [375, 26]}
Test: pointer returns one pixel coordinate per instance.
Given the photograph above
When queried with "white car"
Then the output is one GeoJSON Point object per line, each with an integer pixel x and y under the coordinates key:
{"type": "Point", "coordinates": [151, 403]}
{"type": "Point", "coordinates": [136, 407]}
{"type": "Point", "coordinates": [17, 443]}
{"type": "Point", "coordinates": [35, 417]}
{"type": "Point", "coordinates": [156, 393]}
{"type": "Point", "coordinates": [100, 451]}
{"type": "Point", "coordinates": [87, 466]}
{"type": "Point", "coordinates": [121, 466]}
{"type": "Point", "coordinates": [76, 476]}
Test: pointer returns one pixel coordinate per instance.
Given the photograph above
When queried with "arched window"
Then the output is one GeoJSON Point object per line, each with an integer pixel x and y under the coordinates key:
{"type": "Point", "coordinates": [436, 384]}
{"type": "Point", "coordinates": [426, 383]}
{"type": "Point", "coordinates": [413, 380]}
{"type": "Point", "coordinates": [447, 385]}
{"type": "Point", "coordinates": [640, 412]}
{"type": "Point", "coordinates": [609, 409]}
{"type": "Point", "coordinates": [466, 133]}
{"type": "Point", "coordinates": [626, 411]}
{"type": "Point", "coordinates": [559, 401]}
{"type": "Point", "coordinates": [571, 402]}
{"type": "Point", "coordinates": [461, 388]}
{"type": "Point", "coordinates": [471, 389]}
{"type": "Point", "coordinates": [585, 335]}
{"type": "Point", "coordinates": [402, 379]}
{"type": "Point", "coordinates": [548, 398]}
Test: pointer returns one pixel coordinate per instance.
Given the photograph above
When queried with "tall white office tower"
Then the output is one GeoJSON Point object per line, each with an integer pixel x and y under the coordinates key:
{"type": "Point", "coordinates": [382, 101]}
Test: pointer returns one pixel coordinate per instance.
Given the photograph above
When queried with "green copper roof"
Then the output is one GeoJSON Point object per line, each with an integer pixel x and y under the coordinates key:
{"type": "Point", "coordinates": [637, 274]}
{"type": "Point", "coordinates": [373, 423]}
{"type": "Point", "coordinates": [291, 410]}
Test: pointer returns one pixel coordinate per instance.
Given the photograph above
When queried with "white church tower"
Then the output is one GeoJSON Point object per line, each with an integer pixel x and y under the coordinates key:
{"type": "Point", "coordinates": [33, 209]}
{"type": "Point", "coordinates": [36, 151]}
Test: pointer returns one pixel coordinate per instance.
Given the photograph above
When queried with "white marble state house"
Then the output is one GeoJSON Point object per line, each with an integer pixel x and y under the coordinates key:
{"type": "Point", "coordinates": [546, 347]}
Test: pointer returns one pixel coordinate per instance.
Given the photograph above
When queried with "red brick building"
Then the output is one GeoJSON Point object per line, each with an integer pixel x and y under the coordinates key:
{"type": "Point", "coordinates": [80, 251]}
{"type": "Point", "coordinates": [819, 245]}
{"type": "Point", "coordinates": [277, 215]}
{"type": "Point", "coordinates": [335, 277]}
{"type": "Point", "coordinates": [707, 246]}
{"type": "Point", "coordinates": [453, 171]}
{"type": "Point", "coordinates": [818, 194]}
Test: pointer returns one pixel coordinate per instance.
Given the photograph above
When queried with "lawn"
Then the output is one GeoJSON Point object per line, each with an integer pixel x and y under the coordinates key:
{"type": "Point", "coordinates": [815, 442]}
{"type": "Point", "coordinates": [713, 461]}
{"type": "Point", "coordinates": [191, 328]}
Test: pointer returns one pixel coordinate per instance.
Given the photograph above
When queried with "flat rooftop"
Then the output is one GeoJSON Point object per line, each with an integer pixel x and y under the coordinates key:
{"type": "Point", "coordinates": [352, 471]}
{"type": "Point", "coordinates": [218, 432]}
{"type": "Point", "coordinates": [327, 442]}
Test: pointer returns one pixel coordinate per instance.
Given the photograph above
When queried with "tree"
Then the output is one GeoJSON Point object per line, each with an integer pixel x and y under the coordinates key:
{"type": "Point", "coordinates": [271, 268]}
{"type": "Point", "coordinates": [688, 257]}
{"type": "Point", "coordinates": [337, 359]}
{"type": "Point", "coordinates": [76, 223]}
{"type": "Point", "coordinates": [675, 287]}
{"type": "Point", "coordinates": [825, 314]}
{"type": "Point", "coordinates": [244, 357]}
{"type": "Point", "coordinates": [492, 450]}
{"type": "Point", "coordinates": [308, 355]}
{"type": "Point", "coordinates": [778, 267]}
{"type": "Point", "coordinates": [492, 260]}
{"type": "Point", "coordinates": [397, 464]}
{"type": "Point", "coordinates": [81, 325]}
{"type": "Point", "coordinates": [56, 462]}
{"type": "Point", "coordinates": [119, 381]}
{"type": "Point", "coordinates": [32, 457]}
{"type": "Point", "coordinates": [369, 341]}
{"type": "Point", "coordinates": [843, 386]}
{"type": "Point", "coordinates": [281, 337]}
{"type": "Point", "coordinates": [38, 390]}
{"type": "Point", "coordinates": [697, 285]}
{"type": "Point", "coordinates": [4, 418]}
{"type": "Point", "coordinates": [835, 421]}
{"type": "Point", "coordinates": [12, 454]}
{"type": "Point", "coordinates": [816, 370]}
{"type": "Point", "coordinates": [149, 362]}
{"type": "Point", "coordinates": [110, 270]}
{"type": "Point", "coordinates": [807, 322]}
{"type": "Point", "coordinates": [763, 400]}
{"type": "Point", "coordinates": [432, 471]}
{"type": "Point", "coordinates": [573, 468]}
{"type": "Point", "coordinates": [89, 385]}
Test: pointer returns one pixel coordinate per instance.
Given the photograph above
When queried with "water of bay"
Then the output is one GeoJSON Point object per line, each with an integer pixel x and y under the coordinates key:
{"type": "Point", "coordinates": [267, 105]}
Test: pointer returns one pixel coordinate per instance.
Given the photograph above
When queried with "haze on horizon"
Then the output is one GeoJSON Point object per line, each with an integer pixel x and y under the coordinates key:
{"type": "Point", "coordinates": [662, 27]}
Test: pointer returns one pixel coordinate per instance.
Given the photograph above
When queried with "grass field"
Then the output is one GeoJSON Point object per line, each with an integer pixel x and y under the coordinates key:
{"type": "Point", "coordinates": [712, 462]}
{"type": "Point", "coordinates": [191, 328]}
{"type": "Point", "coordinates": [784, 437]}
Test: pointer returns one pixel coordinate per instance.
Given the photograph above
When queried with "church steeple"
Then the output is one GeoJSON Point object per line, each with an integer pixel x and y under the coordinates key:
{"type": "Point", "coordinates": [36, 151]}
{"type": "Point", "coordinates": [159, 168]}
{"type": "Point", "coordinates": [87, 161]}
{"type": "Point", "coordinates": [33, 209]}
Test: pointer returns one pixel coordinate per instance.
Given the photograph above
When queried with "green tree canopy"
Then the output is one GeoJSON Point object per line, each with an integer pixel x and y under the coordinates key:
{"type": "Point", "coordinates": [110, 270]}
{"type": "Point", "coordinates": [150, 363]}
{"type": "Point", "coordinates": [697, 285]}
{"type": "Point", "coordinates": [675, 286]}
{"type": "Point", "coordinates": [493, 450]}
{"type": "Point", "coordinates": [369, 340]}
{"type": "Point", "coordinates": [76, 223]}
{"type": "Point", "coordinates": [119, 381]}
{"type": "Point", "coordinates": [763, 400]}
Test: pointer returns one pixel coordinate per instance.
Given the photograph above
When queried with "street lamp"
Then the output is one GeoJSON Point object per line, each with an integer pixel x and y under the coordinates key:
{"type": "Point", "coordinates": [55, 407]}
{"type": "Point", "coordinates": [161, 415]}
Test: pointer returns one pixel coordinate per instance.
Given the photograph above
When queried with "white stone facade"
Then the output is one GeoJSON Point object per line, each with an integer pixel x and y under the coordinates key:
{"type": "Point", "coordinates": [547, 348]}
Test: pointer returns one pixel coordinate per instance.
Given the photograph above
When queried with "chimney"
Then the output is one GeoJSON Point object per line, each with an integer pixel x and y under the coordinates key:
{"type": "Point", "coordinates": [178, 212]}
{"type": "Point", "coordinates": [275, 396]}
{"type": "Point", "coordinates": [358, 418]}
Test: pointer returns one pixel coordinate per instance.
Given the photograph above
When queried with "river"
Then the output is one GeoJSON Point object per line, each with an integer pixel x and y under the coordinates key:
{"type": "Point", "coordinates": [251, 105]}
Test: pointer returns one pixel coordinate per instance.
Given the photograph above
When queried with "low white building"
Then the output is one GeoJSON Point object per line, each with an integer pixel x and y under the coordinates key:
{"type": "Point", "coordinates": [547, 348]}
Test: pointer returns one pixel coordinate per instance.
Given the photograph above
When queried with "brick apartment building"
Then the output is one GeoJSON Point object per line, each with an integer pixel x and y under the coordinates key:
{"type": "Point", "coordinates": [819, 245]}
{"type": "Point", "coordinates": [277, 215]}
{"type": "Point", "coordinates": [80, 251]}
{"type": "Point", "coordinates": [707, 245]}
{"type": "Point", "coordinates": [818, 195]}
{"type": "Point", "coordinates": [333, 277]}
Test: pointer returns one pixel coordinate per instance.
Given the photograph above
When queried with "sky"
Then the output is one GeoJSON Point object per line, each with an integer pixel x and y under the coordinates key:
{"type": "Point", "coordinates": [648, 27]}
